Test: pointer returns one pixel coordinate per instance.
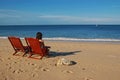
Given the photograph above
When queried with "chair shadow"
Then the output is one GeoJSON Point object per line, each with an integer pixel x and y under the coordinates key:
{"type": "Point", "coordinates": [54, 54]}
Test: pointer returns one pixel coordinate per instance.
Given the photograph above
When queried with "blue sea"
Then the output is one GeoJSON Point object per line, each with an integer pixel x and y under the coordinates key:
{"type": "Point", "coordinates": [64, 32]}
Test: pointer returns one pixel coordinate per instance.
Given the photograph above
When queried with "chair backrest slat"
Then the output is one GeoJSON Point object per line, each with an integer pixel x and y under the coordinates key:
{"type": "Point", "coordinates": [35, 46]}
{"type": "Point", "coordinates": [16, 43]}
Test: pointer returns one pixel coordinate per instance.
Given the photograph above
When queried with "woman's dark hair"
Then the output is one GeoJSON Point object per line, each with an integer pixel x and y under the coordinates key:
{"type": "Point", "coordinates": [38, 35]}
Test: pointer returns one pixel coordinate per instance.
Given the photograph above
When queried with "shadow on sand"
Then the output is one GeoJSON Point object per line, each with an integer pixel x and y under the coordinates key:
{"type": "Point", "coordinates": [54, 54]}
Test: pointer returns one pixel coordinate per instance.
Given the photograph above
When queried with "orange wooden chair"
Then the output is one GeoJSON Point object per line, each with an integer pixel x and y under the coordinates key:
{"type": "Point", "coordinates": [35, 48]}
{"type": "Point", "coordinates": [17, 45]}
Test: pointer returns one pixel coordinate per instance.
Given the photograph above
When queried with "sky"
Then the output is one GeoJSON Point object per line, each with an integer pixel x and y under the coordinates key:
{"type": "Point", "coordinates": [59, 12]}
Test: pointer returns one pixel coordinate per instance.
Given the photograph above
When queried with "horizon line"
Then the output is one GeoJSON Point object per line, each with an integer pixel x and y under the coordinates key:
{"type": "Point", "coordinates": [52, 24]}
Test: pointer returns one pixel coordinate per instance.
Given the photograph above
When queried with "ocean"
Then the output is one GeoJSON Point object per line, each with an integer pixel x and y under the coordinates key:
{"type": "Point", "coordinates": [64, 32]}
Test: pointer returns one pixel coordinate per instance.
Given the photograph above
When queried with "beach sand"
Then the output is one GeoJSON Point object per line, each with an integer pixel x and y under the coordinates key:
{"type": "Point", "coordinates": [94, 61]}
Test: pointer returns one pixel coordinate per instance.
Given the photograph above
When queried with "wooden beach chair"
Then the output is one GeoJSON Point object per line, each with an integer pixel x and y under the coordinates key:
{"type": "Point", "coordinates": [35, 48]}
{"type": "Point", "coordinates": [17, 45]}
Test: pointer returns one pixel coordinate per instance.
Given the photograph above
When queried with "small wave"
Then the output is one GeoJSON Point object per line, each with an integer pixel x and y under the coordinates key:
{"type": "Point", "coordinates": [78, 39]}
{"type": "Point", "coordinates": [75, 39]}
{"type": "Point", "coordinates": [3, 37]}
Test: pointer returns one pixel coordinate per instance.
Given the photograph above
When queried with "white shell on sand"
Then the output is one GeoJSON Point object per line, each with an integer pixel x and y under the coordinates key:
{"type": "Point", "coordinates": [64, 61]}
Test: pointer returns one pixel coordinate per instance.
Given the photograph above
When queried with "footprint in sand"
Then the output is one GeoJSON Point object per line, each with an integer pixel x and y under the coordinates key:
{"type": "Point", "coordinates": [87, 78]}
{"type": "Point", "coordinates": [34, 74]}
{"type": "Point", "coordinates": [10, 68]}
{"type": "Point", "coordinates": [32, 64]}
{"type": "Point", "coordinates": [15, 62]}
{"type": "Point", "coordinates": [41, 68]}
{"type": "Point", "coordinates": [18, 71]}
{"type": "Point", "coordinates": [6, 78]}
{"type": "Point", "coordinates": [9, 58]}
{"type": "Point", "coordinates": [45, 69]}
{"type": "Point", "coordinates": [83, 68]}
{"type": "Point", "coordinates": [68, 71]}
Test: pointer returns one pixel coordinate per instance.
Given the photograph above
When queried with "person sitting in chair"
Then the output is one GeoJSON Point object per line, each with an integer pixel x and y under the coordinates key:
{"type": "Point", "coordinates": [39, 37]}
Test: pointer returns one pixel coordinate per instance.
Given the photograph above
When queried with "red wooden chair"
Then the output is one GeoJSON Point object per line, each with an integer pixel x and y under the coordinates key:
{"type": "Point", "coordinates": [17, 45]}
{"type": "Point", "coordinates": [35, 48]}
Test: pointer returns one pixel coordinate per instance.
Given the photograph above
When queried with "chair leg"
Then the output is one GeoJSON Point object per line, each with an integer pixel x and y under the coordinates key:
{"type": "Point", "coordinates": [41, 57]}
{"type": "Point", "coordinates": [30, 55]}
{"type": "Point", "coordinates": [24, 54]}
{"type": "Point", "coordinates": [14, 52]}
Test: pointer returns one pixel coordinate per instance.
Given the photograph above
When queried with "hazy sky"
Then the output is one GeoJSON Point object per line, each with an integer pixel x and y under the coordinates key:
{"type": "Point", "coordinates": [27, 12]}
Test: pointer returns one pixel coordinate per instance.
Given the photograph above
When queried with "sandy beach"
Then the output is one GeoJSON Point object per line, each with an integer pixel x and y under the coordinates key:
{"type": "Point", "coordinates": [94, 61]}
